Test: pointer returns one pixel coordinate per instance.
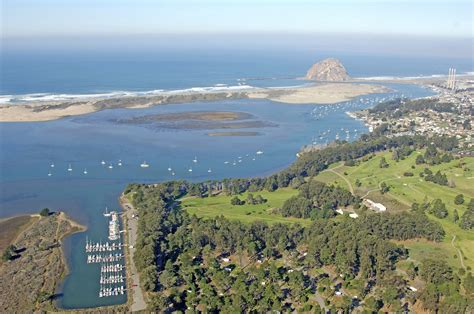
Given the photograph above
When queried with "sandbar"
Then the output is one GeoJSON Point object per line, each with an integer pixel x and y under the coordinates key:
{"type": "Point", "coordinates": [320, 93]}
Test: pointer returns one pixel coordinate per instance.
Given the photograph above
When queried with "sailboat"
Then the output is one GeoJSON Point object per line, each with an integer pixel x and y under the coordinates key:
{"type": "Point", "coordinates": [144, 165]}
{"type": "Point", "coordinates": [102, 162]}
{"type": "Point", "coordinates": [49, 174]}
{"type": "Point", "coordinates": [85, 171]}
{"type": "Point", "coordinates": [209, 170]}
{"type": "Point", "coordinates": [195, 159]}
{"type": "Point", "coordinates": [52, 165]}
{"type": "Point", "coordinates": [259, 152]}
{"type": "Point", "coordinates": [107, 214]}
{"type": "Point", "coordinates": [119, 163]}
{"type": "Point", "coordinates": [169, 169]}
{"type": "Point", "coordinates": [110, 166]}
{"type": "Point", "coordinates": [69, 168]}
{"type": "Point", "coordinates": [190, 169]}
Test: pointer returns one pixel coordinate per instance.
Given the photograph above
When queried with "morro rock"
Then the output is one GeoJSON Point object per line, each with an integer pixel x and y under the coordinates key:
{"type": "Point", "coordinates": [328, 70]}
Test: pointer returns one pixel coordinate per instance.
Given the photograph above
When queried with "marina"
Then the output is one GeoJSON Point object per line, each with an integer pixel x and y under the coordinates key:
{"type": "Point", "coordinates": [26, 183]}
{"type": "Point", "coordinates": [110, 257]}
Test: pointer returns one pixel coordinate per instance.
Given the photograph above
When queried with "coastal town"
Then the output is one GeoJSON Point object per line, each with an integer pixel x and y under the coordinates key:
{"type": "Point", "coordinates": [449, 112]}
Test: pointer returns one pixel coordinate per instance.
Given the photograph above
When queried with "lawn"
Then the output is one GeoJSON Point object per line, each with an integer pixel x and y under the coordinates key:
{"type": "Point", "coordinates": [406, 190]}
{"type": "Point", "coordinates": [220, 205]}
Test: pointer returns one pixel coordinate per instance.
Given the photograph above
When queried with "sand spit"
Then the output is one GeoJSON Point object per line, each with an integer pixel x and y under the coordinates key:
{"type": "Point", "coordinates": [322, 93]}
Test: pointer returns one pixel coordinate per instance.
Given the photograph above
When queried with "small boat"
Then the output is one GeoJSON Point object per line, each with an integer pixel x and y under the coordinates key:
{"type": "Point", "coordinates": [52, 165]}
{"type": "Point", "coordinates": [190, 169]}
{"type": "Point", "coordinates": [49, 174]}
{"type": "Point", "coordinates": [102, 162]}
{"type": "Point", "coordinates": [110, 166]}
{"type": "Point", "coordinates": [172, 173]}
{"type": "Point", "coordinates": [226, 162]}
{"type": "Point", "coordinates": [119, 163]}
{"type": "Point", "coordinates": [107, 213]}
{"type": "Point", "coordinates": [85, 171]}
{"type": "Point", "coordinates": [259, 152]}
{"type": "Point", "coordinates": [209, 170]}
{"type": "Point", "coordinates": [169, 169]}
{"type": "Point", "coordinates": [144, 165]}
{"type": "Point", "coordinates": [69, 168]}
{"type": "Point", "coordinates": [195, 159]}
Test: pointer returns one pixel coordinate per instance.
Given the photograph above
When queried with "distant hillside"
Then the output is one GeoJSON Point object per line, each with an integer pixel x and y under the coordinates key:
{"type": "Point", "coordinates": [328, 70]}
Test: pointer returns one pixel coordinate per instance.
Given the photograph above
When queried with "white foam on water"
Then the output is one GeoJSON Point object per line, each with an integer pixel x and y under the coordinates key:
{"type": "Point", "coordinates": [44, 97]}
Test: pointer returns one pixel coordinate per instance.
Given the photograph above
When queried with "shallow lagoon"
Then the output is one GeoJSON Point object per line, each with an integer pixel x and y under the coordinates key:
{"type": "Point", "coordinates": [28, 149]}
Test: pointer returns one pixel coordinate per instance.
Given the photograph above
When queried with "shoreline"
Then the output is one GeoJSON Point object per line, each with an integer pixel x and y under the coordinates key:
{"type": "Point", "coordinates": [36, 247]}
{"type": "Point", "coordinates": [314, 94]}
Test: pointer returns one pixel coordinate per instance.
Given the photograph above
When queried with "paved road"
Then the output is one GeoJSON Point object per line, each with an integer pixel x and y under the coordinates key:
{"type": "Point", "coordinates": [138, 302]}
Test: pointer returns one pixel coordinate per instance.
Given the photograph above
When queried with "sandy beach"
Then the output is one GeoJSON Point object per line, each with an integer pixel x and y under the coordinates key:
{"type": "Point", "coordinates": [323, 93]}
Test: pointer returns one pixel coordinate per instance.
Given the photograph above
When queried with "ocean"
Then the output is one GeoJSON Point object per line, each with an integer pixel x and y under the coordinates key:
{"type": "Point", "coordinates": [82, 142]}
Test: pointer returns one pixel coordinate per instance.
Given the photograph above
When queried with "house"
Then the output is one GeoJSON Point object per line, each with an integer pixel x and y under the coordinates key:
{"type": "Point", "coordinates": [374, 206]}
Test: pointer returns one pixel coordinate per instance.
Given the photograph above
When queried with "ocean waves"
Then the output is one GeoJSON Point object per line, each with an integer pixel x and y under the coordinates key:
{"type": "Point", "coordinates": [47, 97]}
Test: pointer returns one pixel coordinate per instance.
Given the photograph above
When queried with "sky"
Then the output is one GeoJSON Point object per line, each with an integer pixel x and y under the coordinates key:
{"type": "Point", "coordinates": [63, 18]}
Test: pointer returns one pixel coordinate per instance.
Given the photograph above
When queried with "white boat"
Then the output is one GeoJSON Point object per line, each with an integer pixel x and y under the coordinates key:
{"type": "Point", "coordinates": [226, 162]}
{"type": "Point", "coordinates": [169, 169]}
{"type": "Point", "coordinates": [119, 163]}
{"type": "Point", "coordinates": [110, 166]}
{"type": "Point", "coordinates": [85, 171]}
{"type": "Point", "coordinates": [209, 170]}
{"type": "Point", "coordinates": [49, 174]}
{"type": "Point", "coordinates": [102, 162]}
{"type": "Point", "coordinates": [107, 214]}
{"type": "Point", "coordinates": [52, 165]}
{"type": "Point", "coordinates": [190, 169]}
{"type": "Point", "coordinates": [259, 152]}
{"type": "Point", "coordinates": [195, 159]}
{"type": "Point", "coordinates": [69, 168]}
{"type": "Point", "coordinates": [144, 165]}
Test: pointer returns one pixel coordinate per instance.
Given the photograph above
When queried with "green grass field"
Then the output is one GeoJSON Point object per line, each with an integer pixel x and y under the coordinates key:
{"type": "Point", "coordinates": [406, 190]}
{"type": "Point", "coordinates": [220, 205]}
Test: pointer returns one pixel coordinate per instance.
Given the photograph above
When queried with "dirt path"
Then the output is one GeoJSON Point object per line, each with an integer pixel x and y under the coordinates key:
{"type": "Point", "coordinates": [351, 189]}
{"type": "Point", "coordinates": [138, 300]}
{"type": "Point", "coordinates": [459, 252]}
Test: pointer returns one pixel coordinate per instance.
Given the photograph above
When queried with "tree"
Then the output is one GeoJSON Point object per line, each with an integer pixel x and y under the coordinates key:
{"type": "Point", "coordinates": [250, 199]}
{"type": "Point", "coordinates": [383, 163]}
{"type": "Point", "coordinates": [438, 209]}
{"type": "Point", "coordinates": [419, 160]}
{"type": "Point", "coordinates": [237, 201]}
{"type": "Point", "coordinates": [9, 253]}
{"type": "Point", "coordinates": [466, 124]}
{"type": "Point", "coordinates": [455, 216]}
{"type": "Point", "coordinates": [459, 199]}
{"type": "Point", "coordinates": [44, 212]}
{"type": "Point", "coordinates": [43, 296]}
{"type": "Point", "coordinates": [384, 188]}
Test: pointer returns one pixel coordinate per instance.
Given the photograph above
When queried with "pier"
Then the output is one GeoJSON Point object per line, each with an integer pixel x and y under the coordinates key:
{"type": "Point", "coordinates": [110, 256]}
